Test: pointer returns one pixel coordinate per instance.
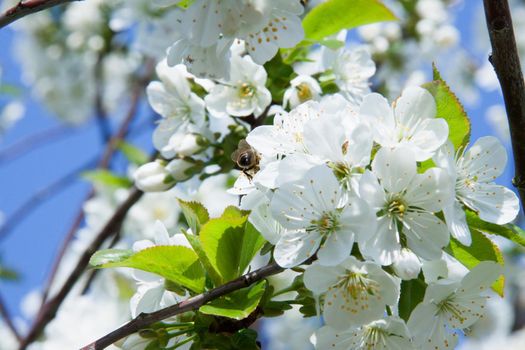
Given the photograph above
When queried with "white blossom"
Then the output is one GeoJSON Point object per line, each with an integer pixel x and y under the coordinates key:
{"type": "Point", "coordinates": [449, 307]}
{"type": "Point", "coordinates": [355, 292]}
{"type": "Point", "coordinates": [473, 171]}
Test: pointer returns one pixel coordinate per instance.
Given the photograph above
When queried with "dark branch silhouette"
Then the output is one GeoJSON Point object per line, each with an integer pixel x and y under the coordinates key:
{"type": "Point", "coordinates": [506, 63]}
{"type": "Point", "coordinates": [193, 303]}
{"type": "Point", "coordinates": [24, 8]}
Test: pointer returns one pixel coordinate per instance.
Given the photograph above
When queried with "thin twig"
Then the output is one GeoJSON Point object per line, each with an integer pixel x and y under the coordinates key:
{"type": "Point", "coordinates": [506, 63]}
{"type": "Point", "coordinates": [50, 308]}
{"type": "Point", "coordinates": [100, 111]}
{"type": "Point", "coordinates": [33, 142]}
{"type": "Point", "coordinates": [104, 164]}
{"type": "Point", "coordinates": [4, 313]}
{"type": "Point", "coordinates": [40, 196]}
{"type": "Point", "coordinates": [193, 303]}
{"type": "Point", "coordinates": [24, 8]}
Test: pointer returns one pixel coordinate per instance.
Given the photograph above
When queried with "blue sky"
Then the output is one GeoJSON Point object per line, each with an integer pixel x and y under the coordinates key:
{"type": "Point", "coordinates": [30, 247]}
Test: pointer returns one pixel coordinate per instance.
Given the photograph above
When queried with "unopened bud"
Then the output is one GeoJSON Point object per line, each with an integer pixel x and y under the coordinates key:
{"type": "Point", "coordinates": [407, 265]}
{"type": "Point", "coordinates": [187, 144]}
{"type": "Point", "coordinates": [153, 177]}
{"type": "Point", "coordinates": [182, 169]}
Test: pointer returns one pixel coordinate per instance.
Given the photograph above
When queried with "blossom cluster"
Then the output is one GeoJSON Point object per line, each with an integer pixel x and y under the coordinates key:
{"type": "Point", "coordinates": [339, 181]}
{"type": "Point", "coordinates": [360, 196]}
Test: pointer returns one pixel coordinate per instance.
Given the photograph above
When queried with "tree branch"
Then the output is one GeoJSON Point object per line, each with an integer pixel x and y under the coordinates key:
{"type": "Point", "coordinates": [193, 303]}
{"type": "Point", "coordinates": [24, 8]}
{"type": "Point", "coordinates": [4, 313]}
{"type": "Point", "coordinates": [49, 309]}
{"type": "Point", "coordinates": [111, 147]}
{"type": "Point", "coordinates": [506, 63]}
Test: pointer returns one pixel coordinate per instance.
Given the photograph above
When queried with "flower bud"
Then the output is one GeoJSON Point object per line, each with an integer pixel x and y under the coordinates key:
{"type": "Point", "coordinates": [153, 177]}
{"type": "Point", "coordinates": [178, 168]}
{"type": "Point", "coordinates": [186, 144]}
{"type": "Point", "coordinates": [407, 265]}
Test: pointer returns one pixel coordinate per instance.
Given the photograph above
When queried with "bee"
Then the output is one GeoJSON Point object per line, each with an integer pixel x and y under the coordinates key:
{"type": "Point", "coordinates": [246, 158]}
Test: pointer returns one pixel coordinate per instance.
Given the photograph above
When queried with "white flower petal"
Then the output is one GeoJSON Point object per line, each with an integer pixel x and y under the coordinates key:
{"type": "Point", "coordinates": [294, 247]}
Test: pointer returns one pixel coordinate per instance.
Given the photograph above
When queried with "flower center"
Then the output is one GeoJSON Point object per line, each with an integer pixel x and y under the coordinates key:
{"type": "Point", "coordinates": [397, 207]}
{"type": "Point", "coordinates": [246, 91]}
{"type": "Point", "coordinates": [357, 285]}
{"type": "Point", "coordinates": [449, 307]}
{"type": "Point", "coordinates": [304, 92]}
{"type": "Point", "coordinates": [373, 336]}
{"type": "Point", "coordinates": [327, 224]}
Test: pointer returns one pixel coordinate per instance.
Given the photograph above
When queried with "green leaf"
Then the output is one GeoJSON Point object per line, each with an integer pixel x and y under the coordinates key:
{"type": "Point", "coordinates": [106, 256]}
{"type": "Point", "coordinates": [237, 305]}
{"type": "Point", "coordinates": [230, 243]}
{"type": "Point", "coordinates": [450, 109]}
{"type": "Point", "coordinates": [7, 89]}
{"type": "Point", "coordinates": [197, 247]}
{"type": "Point", "coordinates": [107, 178]}
{"type": "Point", "coordinates": [279, 75]}
{"type": "Point", "coordinates": [332, 44]}
{"type": "Point", "coordinates": [332, 16]}
{"type": "Point", "coordinates": [509, 231]}
{"type": "Point", "coordinates": [134, 154]}
{"type": "Point", "coordinates": [175, 263]}
{"type": "Point", "coordinates": [481, 249]}
{"type": "Point", "coordinates": [245, 339]}
{"type": "Point", "coordinates": [7, 274]}
{"type": "Point", "coordinates": [412, 293]}
{"type": "Point", "coordinates": [195, 213]}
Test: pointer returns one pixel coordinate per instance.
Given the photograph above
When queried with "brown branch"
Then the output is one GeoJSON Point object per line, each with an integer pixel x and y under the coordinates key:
{"type": "Point", "coordinates": [104, 164]}
{"type": "Point", "coordinates": [24, 8]}
{"type": "Point", "coordinates": [193, 303]}
{"type": "Point", "coordinates": [4, 313]}
{"type": "Point", "coordinates": [50, 308]}
{"type": "Point", "coordinates": [506, 63]}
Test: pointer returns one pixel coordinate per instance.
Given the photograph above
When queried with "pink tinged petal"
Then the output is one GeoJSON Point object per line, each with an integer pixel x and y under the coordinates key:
{"type": "Point", "coordinates": [427, 137]}
{"type": "Point", "coordinates": [426, 234]}
{"type": "Point", "coordinates": [371, 190]}
{"type": "Point", "coordinates": [430, 191]}
{"type": "Point", "coordinates": [493, 203]}
{"type": "Point", "coordinates": [384, 246]}
{"type": "Point", "coordinates": [457, 222]}
{"type": "Point", "coordinates": [319, 278]}
{"type": "Point", "coordinates": [376, 111]}
{"type": "Point", "coordinates": [294, 247]}
{"type": "Point", "coordinates": [485, 159]}
{"type": "Point", "coordinates": [395, 168]}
